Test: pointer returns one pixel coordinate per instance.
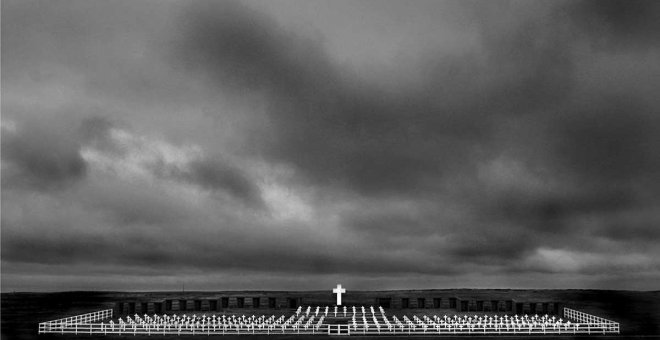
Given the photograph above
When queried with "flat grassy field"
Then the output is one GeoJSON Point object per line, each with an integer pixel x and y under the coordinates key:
{"type": "Point", "coordinates": [637, 312]}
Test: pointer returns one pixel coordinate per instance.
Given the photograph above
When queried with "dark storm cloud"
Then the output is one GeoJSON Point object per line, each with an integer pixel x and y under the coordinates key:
{"type": "Point", "coordinates": [609, 138]}
{"type": "Point", "coordinates": [338, 128]}
{"type": "Point", "coordinates": [492, 244]}
{"type": "Point", "coordinates": [226, 140]}
{"type": "Point", "coordinates": [218, 175]}
{"type": "Point", "coordinates": [469, 241]}
{"type": "Point", "coordinates": [549, 212]}
{"type": "Point", "coordinates": [618, 24]}
{"type": "Point", "coordinates": [95, 132]}
{"type": "Point", "coordinates": [634, 225]}
{"type": "Point", "coordinates": [246, 48]}
{"type": "Point", "coordinates": [334, 126]}
{"type": "Point", "coordinates": [41, 156]}
{"type": "Point", "coordinates": [525, 65]}
{"type": "Point", "coordinates": [390, 224]}
{"type": "Point", "coordinates": [626, 231]}
{"type": "Point", "coordinates": [227, 252]}
{"type": "Point", "coordinates": [53, 251]}
{"type": "Point", "coordinates": [131, 206]}
{"type": "Point", "coordinates": [213, 174]}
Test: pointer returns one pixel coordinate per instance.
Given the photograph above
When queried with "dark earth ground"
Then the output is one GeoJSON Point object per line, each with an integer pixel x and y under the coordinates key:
{"type": "Point", "coordinates": [637, 312]}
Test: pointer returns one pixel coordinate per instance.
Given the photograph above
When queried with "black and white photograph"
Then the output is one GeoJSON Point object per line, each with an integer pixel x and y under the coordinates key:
{"type": "Point", "coordinates": [181, 169]}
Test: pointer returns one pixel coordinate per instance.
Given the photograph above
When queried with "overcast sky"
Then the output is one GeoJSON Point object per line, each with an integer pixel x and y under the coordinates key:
{"type": "Point", "coordinates": [300, 144]}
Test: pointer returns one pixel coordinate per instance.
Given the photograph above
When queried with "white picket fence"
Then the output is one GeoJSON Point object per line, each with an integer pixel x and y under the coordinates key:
{"type": "Point", "coordinates": [104, 328]}
{"type": "Point", "coordinates": [59, 325]}
{"type": "Point", "coordinates": [530, 329]}
{"type": "Point", "coordinates": [576, 323]}
{"type": "Point", "coordinates": [591, 320]}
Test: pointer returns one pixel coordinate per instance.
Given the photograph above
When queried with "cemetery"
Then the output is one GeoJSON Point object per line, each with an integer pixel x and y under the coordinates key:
{"type": "Point", "coordinates": [293, 314]}
{"type": "Point", "coordinates": [328, 320]}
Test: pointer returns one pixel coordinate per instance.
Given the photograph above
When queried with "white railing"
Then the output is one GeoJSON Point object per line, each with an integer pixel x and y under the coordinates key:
{"type": "Point", "coordinates": [489, 330]}
{"type": "Point", "coordinates": [576, 323]}
{"type": "Point", "coordinates": [592, 321]}
{"type": "Point", "coordinates": [56, 326]}
{"type": "Point", "coordinates": [183, 329]}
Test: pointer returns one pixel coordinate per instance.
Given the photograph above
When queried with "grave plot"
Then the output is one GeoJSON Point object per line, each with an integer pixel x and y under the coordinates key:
{"type": "Point", "coordinates": [330, 320]}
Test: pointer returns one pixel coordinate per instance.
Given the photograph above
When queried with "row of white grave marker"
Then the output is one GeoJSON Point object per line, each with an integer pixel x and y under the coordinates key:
{"type": "Point", "coordinates": [365, 321]}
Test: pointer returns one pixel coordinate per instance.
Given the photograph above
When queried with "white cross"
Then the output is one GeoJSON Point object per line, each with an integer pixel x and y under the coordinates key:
{"type": "Point", "coordinates": [339, 291]}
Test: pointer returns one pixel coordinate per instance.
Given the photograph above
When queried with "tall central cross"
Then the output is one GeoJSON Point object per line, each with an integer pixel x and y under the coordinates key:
{"type": "Point", "coordinates": [339, 291]}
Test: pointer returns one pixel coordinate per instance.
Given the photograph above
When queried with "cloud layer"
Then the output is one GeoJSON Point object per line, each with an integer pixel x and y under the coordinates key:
{"type": "Point", "coordinates": [501, 144]}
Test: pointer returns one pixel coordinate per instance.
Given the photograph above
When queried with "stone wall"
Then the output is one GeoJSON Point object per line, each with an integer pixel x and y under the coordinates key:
{"type": "Point", "coordinates": [169, 302]}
